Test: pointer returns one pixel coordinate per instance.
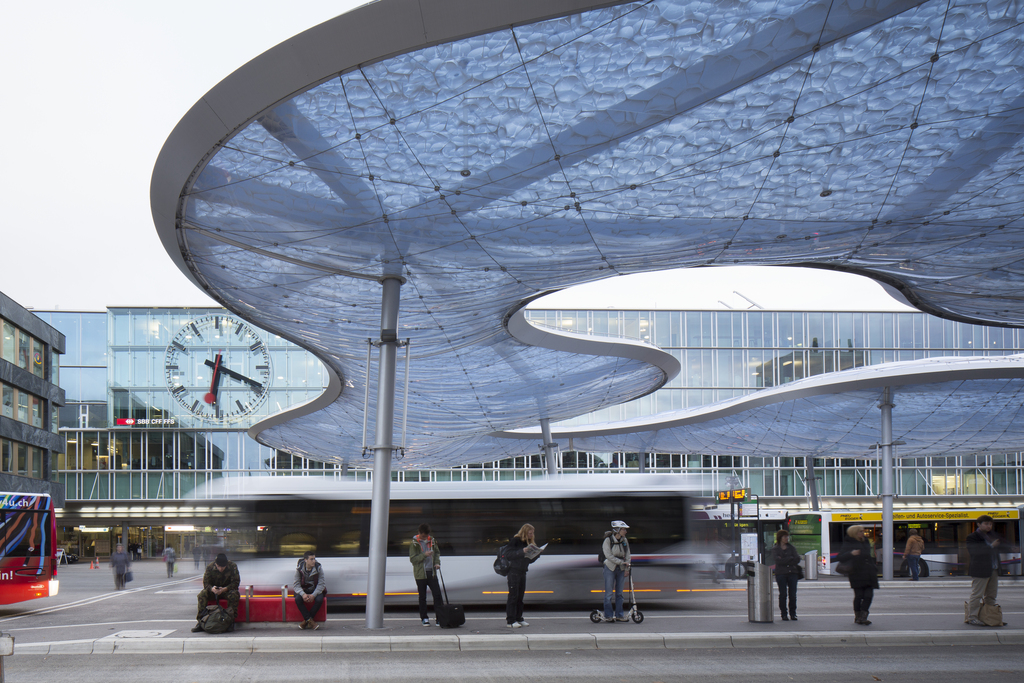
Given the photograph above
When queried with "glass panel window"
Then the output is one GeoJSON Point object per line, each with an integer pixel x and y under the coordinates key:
{"type": "Point", "coordinates": [662, 329]}
{"type": "Point", "coordinates": [755, 330]}
{"type": "Point", "coordinates": [22, 407]}
{"type": "Point", "coordinates": [36, 405]}
{"type": "Point", "coordinates": [94, 339]}
{"type": "Point", "coordinates": [786, 332]}
{"type": "Point", "coordinates": [9, 342]}
{"type": "Point", "coordinates": [38, 358]}
{"type": "Point", "coordinates": [24, 350]}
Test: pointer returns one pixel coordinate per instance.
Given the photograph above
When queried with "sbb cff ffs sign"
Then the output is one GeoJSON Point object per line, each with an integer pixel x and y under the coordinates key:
{"type": "Point", "coordinates": [734, 496]}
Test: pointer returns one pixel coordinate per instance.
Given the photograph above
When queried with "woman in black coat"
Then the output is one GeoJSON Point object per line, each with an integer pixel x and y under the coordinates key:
{"type": "Point", "coordinates": [517, 575]}
{"type": "Point", "coordinates": [787, 572]}
{"type": "Point", "coordinates": [863, 572]}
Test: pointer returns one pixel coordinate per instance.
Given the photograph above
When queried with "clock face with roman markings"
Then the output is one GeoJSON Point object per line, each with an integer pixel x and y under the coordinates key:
{"type": "Point", "coordinates": [218, 369]}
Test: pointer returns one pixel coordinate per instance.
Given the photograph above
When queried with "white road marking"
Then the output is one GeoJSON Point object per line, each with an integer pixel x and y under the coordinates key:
{"type": "Point", "coordinates": [137, 634]}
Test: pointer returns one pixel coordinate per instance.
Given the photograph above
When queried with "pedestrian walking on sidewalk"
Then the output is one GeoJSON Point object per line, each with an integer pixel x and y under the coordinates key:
{"type": "Point", "coordinates": [863, 574]}
{"type": "Point", "coordinates": [169, 559]}
{"type": "Point", "coordinates": [120, 564]}
{"type": "Point", "coordinates": [983, 546]}
{"type": "Point", "coordinates": [787, 573]}
{"type": "Point", "coordinates": [912, 554]}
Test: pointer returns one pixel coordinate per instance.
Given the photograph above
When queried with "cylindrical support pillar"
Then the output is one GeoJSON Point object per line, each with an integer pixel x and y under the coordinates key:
{"type": "Point", "coordinates": [382, 450]}
{"type": "Point", "coordinates": [812, 482]}
{"type": "Point", "coordinates": [549, 446]}
{"type": "Point", "coordinates": [887, 483]}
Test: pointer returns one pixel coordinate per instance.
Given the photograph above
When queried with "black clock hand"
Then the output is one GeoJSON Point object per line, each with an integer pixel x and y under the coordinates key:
{"type": "Point", "coordinates": [211, 397]}
{"type": "Point", "coordinates": [237, 375]}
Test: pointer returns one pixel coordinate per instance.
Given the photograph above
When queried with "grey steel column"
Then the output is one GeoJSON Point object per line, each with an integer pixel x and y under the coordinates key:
{"type": "Point", "coordinates": [549, 446]}
{"type": "Point", "coordinates": [812, 482]}
{"type": "Point", "coordinates": [887, 483]}
{"type": "Point", "coordinates": [382, 450]}
{"type": "Point", "coordinates": [643, 462]}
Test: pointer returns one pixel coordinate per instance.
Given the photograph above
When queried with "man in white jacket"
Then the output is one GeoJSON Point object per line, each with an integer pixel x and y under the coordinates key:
{"type": "Point", "coordinates": [616, 569]}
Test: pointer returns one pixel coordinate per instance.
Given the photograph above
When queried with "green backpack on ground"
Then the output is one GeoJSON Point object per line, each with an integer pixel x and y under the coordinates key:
{"type": "Point", "coordinates": [216, 620]}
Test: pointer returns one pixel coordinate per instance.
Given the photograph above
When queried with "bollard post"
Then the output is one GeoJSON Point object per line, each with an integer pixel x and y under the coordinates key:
{"type": "Point", "coordinates": [811, 565]}
{"type": "Point", "coordinates": [759, 593]}
{"type": "Point", "coordinates": [6, 650]}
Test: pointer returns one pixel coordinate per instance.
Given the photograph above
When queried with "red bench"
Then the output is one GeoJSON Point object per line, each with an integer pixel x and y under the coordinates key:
{"type": "Point", "coordinates": [267, 605]}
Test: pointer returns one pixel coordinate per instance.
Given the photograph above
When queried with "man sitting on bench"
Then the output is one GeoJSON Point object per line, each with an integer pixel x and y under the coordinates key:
{"type": "Point", "coordinates": [310, 589]}
{"type": "Point", "coordinates": [220, 580]}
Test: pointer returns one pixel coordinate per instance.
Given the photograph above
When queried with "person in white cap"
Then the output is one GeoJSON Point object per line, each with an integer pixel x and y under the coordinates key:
{"type": "Point", "coordinates": [616, 568]}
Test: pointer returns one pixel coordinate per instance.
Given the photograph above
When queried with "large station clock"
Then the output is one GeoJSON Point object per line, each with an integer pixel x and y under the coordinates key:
{"type": "Point", "coordinates": [218, 369]}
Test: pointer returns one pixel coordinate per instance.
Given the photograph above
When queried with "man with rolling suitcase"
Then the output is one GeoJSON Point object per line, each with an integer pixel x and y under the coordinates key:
{"type": "Point", "coordinates": [426, 561]}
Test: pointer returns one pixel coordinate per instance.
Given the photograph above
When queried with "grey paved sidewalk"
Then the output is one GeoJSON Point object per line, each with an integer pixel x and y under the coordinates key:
{"type": "Point", "coordinates": [154, 617]}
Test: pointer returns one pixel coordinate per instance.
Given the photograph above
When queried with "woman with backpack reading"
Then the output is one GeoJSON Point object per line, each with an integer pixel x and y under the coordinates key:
{"type": "Point", "coordinates": [519, 564]}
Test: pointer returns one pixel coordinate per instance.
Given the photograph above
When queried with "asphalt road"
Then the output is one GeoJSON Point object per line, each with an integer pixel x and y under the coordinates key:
{"type": "Point", "coordinates": [754, 665]}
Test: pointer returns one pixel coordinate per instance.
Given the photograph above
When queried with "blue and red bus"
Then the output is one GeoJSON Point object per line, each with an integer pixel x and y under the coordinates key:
{"type": "Point", "coordinates": [28, 547]}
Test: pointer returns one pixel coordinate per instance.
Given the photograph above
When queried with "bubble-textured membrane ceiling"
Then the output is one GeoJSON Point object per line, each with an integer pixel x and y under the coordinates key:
{"type": "Point", "coordinates": [491, 152]}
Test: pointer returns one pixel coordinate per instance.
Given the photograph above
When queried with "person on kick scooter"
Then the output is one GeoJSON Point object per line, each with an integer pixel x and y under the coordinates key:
{"type": "Point", "coordinates": [616, 569]}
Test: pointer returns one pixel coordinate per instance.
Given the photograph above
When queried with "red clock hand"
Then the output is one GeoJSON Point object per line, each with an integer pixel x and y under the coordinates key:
{"type": "Point", "coordinates": [211, 397]}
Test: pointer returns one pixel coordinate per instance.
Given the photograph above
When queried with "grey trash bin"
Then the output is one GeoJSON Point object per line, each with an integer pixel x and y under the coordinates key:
{"type": "Point", "coordinates": [811, 565]}
{"type": "Point", "coordinates": [760, 606]}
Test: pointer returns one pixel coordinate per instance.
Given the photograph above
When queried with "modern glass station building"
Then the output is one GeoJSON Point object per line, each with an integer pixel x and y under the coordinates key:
{"type": "Point", "coordinates": [141, 446]}
{"type": "Point", "coordinates": [728, 354]}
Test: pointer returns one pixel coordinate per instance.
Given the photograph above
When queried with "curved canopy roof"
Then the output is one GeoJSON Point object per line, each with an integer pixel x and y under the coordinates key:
{"type": "Point", "coordinates": [941, 405]}
{"type": "Point", "coordinates": [490, 152]}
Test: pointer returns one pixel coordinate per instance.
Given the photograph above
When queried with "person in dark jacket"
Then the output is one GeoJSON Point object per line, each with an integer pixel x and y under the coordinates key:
{"type": "Point", "coordinates": [426, 561]}
{"type": "Point", "coordinates": [310, 589]}
{"type": "Point", "coordinates": [787, 572]}
{"type": "Point", "coordinates": [983, 548]}
{"type": "Point", "coordinates": [220, 580]}
{"type": "Point", "coordinates": [863, 572]}
{"type": "Point", "coordinates": [517, 575]}
{"type": "Point", "coordinates": [120, 564]}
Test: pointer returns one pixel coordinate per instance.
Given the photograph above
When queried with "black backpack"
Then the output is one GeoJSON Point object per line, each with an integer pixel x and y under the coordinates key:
{"type": "Point", "coordinates": [216, 620]}
{"type": "Point", "coordinates": [502, 565]}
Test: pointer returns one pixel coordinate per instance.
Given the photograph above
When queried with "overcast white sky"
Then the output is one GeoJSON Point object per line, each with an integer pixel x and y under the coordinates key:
{"type": "Point", "coordinates": [92, 91]}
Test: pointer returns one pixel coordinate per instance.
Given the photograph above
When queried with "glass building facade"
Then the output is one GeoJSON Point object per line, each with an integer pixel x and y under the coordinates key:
{"type": "Point", "coordinates": [135, 455]}
{"type": "Point", "coordinates": [725, 354]}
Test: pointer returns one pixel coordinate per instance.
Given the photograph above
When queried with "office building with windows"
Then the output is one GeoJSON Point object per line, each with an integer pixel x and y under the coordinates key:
{"type": "Point", "coordinates": [30, 397]}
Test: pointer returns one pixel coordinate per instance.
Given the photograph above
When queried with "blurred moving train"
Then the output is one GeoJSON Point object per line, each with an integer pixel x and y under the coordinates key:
{"type": "Point", "coordinates": [470, 522]}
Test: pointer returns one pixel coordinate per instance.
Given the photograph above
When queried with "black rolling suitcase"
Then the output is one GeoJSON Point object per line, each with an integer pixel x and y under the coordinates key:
{"type": "Point", "coordinates": [448, 615]}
